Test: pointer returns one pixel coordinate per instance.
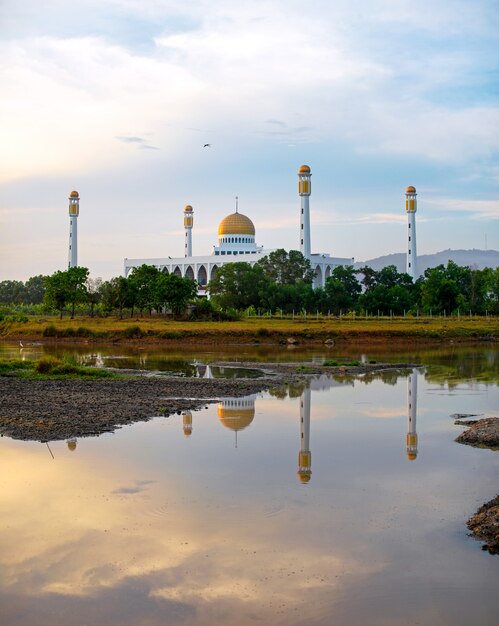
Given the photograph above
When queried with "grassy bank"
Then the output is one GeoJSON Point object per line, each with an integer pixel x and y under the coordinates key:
{"type": "Point", "coordinates": [262, 330]}
{"type": "Point", "coordinates": [49, 367]}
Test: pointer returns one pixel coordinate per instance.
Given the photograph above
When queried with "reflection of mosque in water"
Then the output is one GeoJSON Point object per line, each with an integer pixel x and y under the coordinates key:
{"type": "Point", "coordinates": [236, 414]}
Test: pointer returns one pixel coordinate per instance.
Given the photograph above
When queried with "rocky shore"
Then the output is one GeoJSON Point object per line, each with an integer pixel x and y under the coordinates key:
{"type": "Point", "coordinates": [47, 410]}
{"type": "Point", "coordinates": [484, 525]}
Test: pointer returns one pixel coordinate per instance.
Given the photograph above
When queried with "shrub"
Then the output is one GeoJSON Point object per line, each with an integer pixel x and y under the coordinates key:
{"type": "Point", "coordinates": [133, 332]}
{"type": "Point", "coordinates": [50, 331]}
{"type": "Point", "coordinates": [46, 364]}
{"type": "Point", "coordinates": [262, 332]}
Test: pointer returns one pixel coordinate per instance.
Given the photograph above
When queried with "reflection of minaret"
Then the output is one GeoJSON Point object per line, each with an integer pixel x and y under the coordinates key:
{"type": "Point", "coordinates": [71, 444]}
{"type": "Point", "coordinates": [412, 401]}
{"type": "Point", "coordinates": [305, 456]}
{"type": "Point", "coordinates": [236, 413]}
{"type": "Point", "coordinates": [187, 423]}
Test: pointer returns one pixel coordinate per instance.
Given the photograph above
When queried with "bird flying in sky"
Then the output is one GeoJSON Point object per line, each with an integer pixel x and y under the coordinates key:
{"type": "Point", "coordinates": [207, 145]}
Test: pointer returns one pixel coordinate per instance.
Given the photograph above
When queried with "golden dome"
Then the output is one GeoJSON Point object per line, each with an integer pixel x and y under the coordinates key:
{"type": "Point", "coordinates": [412, 456]}
{"type": "Point", "coordinates": [74, 194]}
{"type": "Point", "coordinates": [236, 224]}
{"type": "Point", "coordinates": [304, 169]}
{"type": "Point", "coordinates": [410, 189]}
{"type": "Point", "coordinates": [71, 444]}
{"type": "Point", "coordinates": [187, 432]}
{"type": "Point", "coordinates": [188, 208]}
{"type": "Point", "coordinates": [236, 418]}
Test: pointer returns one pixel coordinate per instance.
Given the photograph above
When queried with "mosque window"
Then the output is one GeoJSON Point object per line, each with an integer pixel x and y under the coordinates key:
{"type": "Point", "coordinates": [302, 211]}
{"type": "Point", "coordinates": [302, 226]}
{"type": "Point", "coordinates": [302, 242]}
{"type": "Point", "coordinates": [217, 252]}
{"type": "Point", "coordinates": [409, 225]}
{"type": "Point", "coordinates": [409, 252]}
{"type": "Point", "coordinates": [229, 252]}
{"type": "Point", "coordinates": [409, 238]}
{"type": "Point", "coordinates": [222, 252]}
{"type": "Point", "coordinates": [409, 265]}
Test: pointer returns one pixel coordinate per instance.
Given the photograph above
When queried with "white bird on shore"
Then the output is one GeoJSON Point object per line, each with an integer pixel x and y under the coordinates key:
{"type": "Point", "coordinates": [21, 344]}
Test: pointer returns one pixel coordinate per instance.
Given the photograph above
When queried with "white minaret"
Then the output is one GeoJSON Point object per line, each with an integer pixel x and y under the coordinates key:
{"type": "Point", "coordinates": [304, 190]}
{"type": "Point", "coordinates": [188, 224]}
{"type": "Point", "coordinates": [411, 207]}
{"type": "Point", "coordinates": [74, 211]}
{"type": "Point", "coordinates": [412, 402]}
{"type": "Point", "coordinates": [305, 456]}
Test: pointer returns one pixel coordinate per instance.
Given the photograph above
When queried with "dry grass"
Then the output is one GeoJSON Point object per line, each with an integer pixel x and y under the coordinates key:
{"type": "Point", "coordinates": [256, 329]}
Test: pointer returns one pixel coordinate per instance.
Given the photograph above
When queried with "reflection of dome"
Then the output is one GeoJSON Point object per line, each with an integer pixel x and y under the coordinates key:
{"type": "Point", "coordinates": [304, 476]}
{"type": "Point", "coordinates": [236, 224]}
{"type": "Point", "coordinates": [304, 169]}
{"type": "Point", "coordinates": [188, 208]}
{"type": "Point", "coordinates": [410, 189]}
{"type": "Point", "coordinates": [74, 194]}
{"type": "Point", "coordinates": [412, 456]}
{"type": "Point", "coordinates": [71, 444]}
{"type": "Point", "coordinates": [235, 418]}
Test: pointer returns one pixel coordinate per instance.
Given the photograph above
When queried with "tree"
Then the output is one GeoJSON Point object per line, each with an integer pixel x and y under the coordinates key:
{"type": "Point", "coordinates": [12, 292]}
{"type": "Point", "coordinates": [67, 287]}
{"type": "Point", "coordinates": [287, 268]}
{"type": "Point", "coordinates": [117, 293]}
{"type": "Point", "coordinates": [93, 293]}
{"type": "Point", "coordinates": [342, 289]}
{"type": "Point", "coordinates": [446, 288]}
{"type": "Point", "coordinates": [174, 292]}
{"type": "Point", "coordinates": [35, 289]}
{"type": "Point", "coordinates": [238, 286]}
{"type": "Point", "coordinates": [143, 281]}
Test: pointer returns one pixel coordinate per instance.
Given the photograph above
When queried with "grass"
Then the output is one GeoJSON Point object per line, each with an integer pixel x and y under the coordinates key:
{"type": "Point", "coordinates": [342, 364]}
{"type": "Point", "coordinates": [250, 329]}
{"type": "Point", "coordinates": [49, 367]}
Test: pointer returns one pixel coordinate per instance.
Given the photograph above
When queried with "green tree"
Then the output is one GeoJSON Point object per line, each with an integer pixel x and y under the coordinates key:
{"type": "Point", "coordinates": [238, 286]}
{"type": "Point", "coordinates": [342, 289]}
{"type": "Point", "coordinates": [287, 268]}
{"type": "Point", "coordinates": [143, 280]}
{"type": "Point", "coordinates": [35, 289]}
{"type": "Point", "coordinates": [93, 293]}
{"type": "Point", "coordinates": [12, 292]}
{"type": "Point", "coordinates": [174, 292]}
{"type": "Point", "coordinates": [117, 294]}
{"type": "Point", "coordinates": [68, 287]}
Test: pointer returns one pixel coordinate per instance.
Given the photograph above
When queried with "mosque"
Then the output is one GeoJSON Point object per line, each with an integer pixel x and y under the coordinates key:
{"type": "Point", "coordinates": [237, 242]}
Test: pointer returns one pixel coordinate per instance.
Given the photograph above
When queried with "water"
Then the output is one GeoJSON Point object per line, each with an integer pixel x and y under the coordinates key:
{"type": "Point", "coordinates": [207, 518]}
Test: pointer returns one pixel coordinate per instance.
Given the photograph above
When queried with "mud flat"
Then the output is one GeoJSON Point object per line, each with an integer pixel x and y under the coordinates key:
{"type": "Point", "coordinates": [484, 433]}
{"type": "Point", "coordinates": [47, 410]}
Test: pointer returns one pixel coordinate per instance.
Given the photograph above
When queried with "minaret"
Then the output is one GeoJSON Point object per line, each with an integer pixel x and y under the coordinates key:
{"type": "Point", "coordinates": [188, 224]}
{"type": "Point", "coordinates": [187, 423]}
{"type": "Point", "coordinates": [411, 207]}
{"type": "Point", "coordinates": [74, 211]}
{"type": "Point", "coordinates": [304, 190]}
{"type": "Point", "coordinates": [305, 456]}
{"type": "Point", "coordinates": [412, 401]}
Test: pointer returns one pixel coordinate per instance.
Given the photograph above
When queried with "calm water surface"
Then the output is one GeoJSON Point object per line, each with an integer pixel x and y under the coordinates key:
{"type": "Point", "coordinates": [341, 504]}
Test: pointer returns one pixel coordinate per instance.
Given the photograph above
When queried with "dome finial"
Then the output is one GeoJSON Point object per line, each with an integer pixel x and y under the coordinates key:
{"type": "Point", "coordinates": [237, 204]}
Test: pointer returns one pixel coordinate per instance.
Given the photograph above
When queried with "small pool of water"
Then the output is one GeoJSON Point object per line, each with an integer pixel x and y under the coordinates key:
{"type": "Point", "coordinates": [343, 503]}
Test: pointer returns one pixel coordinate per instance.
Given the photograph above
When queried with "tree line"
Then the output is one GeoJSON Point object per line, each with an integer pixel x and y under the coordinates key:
{"type": "Point", "coordinates": [280, 282]}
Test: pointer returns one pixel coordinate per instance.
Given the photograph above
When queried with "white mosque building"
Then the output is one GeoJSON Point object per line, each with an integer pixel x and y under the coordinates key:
{"type": "Point", "coordinates": [237, 243]}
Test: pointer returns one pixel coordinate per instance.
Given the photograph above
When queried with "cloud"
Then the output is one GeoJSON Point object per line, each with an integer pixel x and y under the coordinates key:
{"type": "Point", "coordinates": [142, 144]}
{"type": "Point", "coordinates": [477, 209]}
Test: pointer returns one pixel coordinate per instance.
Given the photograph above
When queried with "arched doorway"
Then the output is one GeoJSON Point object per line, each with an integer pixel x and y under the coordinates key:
{"type": "Point", "coordinates": [177, 271]}
{"type": "Point", "coordinates": [318, 277]}
{"type": "Point", "coordinates": [202, 276]}
{"type": "Point", "coordinates": [189, 273]}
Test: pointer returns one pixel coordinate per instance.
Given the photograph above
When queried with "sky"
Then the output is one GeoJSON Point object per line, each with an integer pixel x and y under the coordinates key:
{"type": "Point", "coordinates": [116, 99]}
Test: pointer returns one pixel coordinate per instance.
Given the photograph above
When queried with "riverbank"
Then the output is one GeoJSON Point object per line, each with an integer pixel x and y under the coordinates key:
{"type": "Point", "coordinates": [255, 330]}
{"type": "Point", "coordinates": [484, 525]}
{"type": "Point", "coordinates": [47, 410]}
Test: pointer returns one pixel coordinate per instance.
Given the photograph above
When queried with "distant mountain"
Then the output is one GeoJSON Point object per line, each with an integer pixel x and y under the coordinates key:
{"type": "Point", "coordinates": [477, 259]}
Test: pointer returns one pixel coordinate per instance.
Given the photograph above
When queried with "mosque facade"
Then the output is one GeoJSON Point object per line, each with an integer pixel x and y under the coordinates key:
{"type": "Point", "coordinates": [237, 243]}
